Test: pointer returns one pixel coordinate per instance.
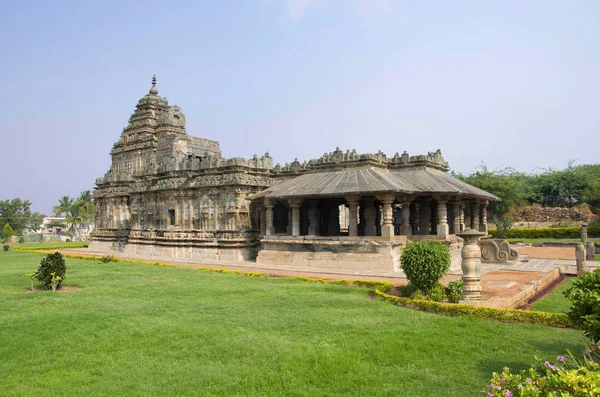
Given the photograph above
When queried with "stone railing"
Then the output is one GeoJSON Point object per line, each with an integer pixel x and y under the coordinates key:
{"type": "Point", "coordinates": [338, 157]}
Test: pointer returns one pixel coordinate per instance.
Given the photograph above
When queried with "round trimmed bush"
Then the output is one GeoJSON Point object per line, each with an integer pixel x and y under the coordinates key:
{"type": "Point", "coordinates": [51, 263]}
{"type": "Point", "coordinates": [424, 263]}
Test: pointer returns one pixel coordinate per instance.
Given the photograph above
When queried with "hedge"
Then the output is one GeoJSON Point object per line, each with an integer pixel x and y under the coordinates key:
{"type": "Point", "coordinates": [549, 232]}
{"type": "Point", "coordinates": [558, 320]}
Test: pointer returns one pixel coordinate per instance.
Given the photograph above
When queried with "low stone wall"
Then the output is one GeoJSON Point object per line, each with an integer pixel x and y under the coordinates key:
{"type": "Point", "coordinates": [550, 214]}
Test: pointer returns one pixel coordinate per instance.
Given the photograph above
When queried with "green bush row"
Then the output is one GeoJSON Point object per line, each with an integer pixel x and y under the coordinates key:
{"type": "Point", "coordinates": [558, 320]}
{"type": "Point", "coordinates": [53, 247]}
{"type": "Point", "coordinates": [549, 232]}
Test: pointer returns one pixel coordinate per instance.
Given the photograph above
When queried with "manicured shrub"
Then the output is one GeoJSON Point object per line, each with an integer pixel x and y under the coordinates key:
{"type": "Point", "coordinates": [406, 290]}
{"type": "Point", "coordinates": [68, 240]}
{"type": "Point", "coordinates": [454, 291]}
{"type": "Point", "coordinates": [380, 285]}
{"type": "Point", "coordinates": [559, 320]}
{"type": "Point", "coordinates": [547, 232]}
{"type": "Point", "coordinates": [436, 294]}
{"type": "Point", "coordinates": [424, 263]}
{"type": "Point", "coordinates": [51, 266]}
{"type": "Point", "coordinates": [109, 258]}
{"type": "Point", "coordinates": [584, 295]}
{"type": "Point", "coordinates": [21, 240]}
{"type": "Point", "coordinates": [417, 295]}
{"type": "Point", "coordinates": [6, 247]}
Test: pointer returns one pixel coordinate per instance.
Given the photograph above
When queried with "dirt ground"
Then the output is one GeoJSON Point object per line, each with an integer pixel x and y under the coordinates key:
{"type": "Point", "coordinates": [549, 252]}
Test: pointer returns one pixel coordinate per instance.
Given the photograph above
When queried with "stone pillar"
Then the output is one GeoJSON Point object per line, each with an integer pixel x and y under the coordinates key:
{"type": "Point", "coordinates": [288, 229]}
{"type": "Point", "coordinates": [471, 267]}
{"type": "Point", "coordinates": [462, 217]}
{"type": "Point", "coordinates": [590, 251]}
{"type": "Point", "coordinates": [405, 228]}
{"type": "Point", "coordinates": [424, 215]}
{"type": "Point", "coordinates": [270, 228]}
{"type": "Point", "coordinates": [442, 226]}
{"type": "Point", "coordinates": [475, 216]}
{"type": "Point", "coordinates": [262, 221]}
{"type": "Point", "coordinates": [295, 219]}
{"type": "Point", "coordinates": [584, 233]}
{"type": "Point", "coordinates": [483, 227]}
{"type": "Point", "coordinates": [313, 218]}
{"type": "Point", "coordinates": [190, 214]}
{"type": "Point", "coordinates": [352, 215]}
{"type": "Point", "coordinates": [456, 217]}
{"type": "Point", "coordinates": [370, 227]}
{"type": "Point", "coordinates": [580, 259]}
{"type": "Point", "coordinates": [387, 213]}
{"type": "Point", "coordinates": [333, 220]}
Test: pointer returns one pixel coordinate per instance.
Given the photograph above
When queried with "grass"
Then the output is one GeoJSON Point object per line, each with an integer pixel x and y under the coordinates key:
{"type": "Point", "coordinates": [63, 244]}
{"type": "Point", "coordinates": [547, 240]}
{"type": "Point", "coordinates": [556, 302]}
{"type": "Point", "coordinates": [135, 329]}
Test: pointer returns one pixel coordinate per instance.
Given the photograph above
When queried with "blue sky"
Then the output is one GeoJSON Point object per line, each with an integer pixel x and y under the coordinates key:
{"type": "Point", "coordinates": [506, 83]}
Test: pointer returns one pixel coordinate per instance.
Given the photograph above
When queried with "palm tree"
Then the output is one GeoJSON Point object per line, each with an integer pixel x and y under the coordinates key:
{"type": "Point", "coordinates": [64, 205]}
{"type": "Point", "coordinates": [85, 206]}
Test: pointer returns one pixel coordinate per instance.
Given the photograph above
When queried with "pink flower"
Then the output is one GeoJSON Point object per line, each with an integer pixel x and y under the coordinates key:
{"type": "Point", "coordinates": [561, 358]}
{"type": "Point", "coordinates": [508, 393]}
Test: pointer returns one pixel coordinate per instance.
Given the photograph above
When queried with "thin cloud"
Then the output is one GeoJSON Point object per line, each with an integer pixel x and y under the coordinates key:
{"type": "Point", "coordinates": [297, 8]}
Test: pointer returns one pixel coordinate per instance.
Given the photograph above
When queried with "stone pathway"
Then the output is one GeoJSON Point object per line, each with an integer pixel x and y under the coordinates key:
{"type": "Point", "coordinates": [504, 285]}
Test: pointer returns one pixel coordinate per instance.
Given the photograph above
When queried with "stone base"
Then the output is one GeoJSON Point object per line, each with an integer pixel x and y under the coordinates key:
{"type": "Point", "coordinates": [470, 302]}
{"type": "Point", "coordinates": [158, 252]}
{"type": "Point", "coordinates": [380, 254]}
{"type": "Point", "coordinates": [219, 246]}
{"type": "Point", "coordinates": [346, 253]}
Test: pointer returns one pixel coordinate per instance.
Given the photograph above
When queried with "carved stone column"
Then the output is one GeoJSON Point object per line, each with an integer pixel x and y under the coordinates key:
{"type": "Point", "coordinates": [295, 205]}
{"type": "Point", "coordinates": [424, 215]}
{"type": "Point", "coordinates": [313, 218]}
{"type": "Point", "coordinates": [456, 224]}
{"type": "Point", "coordinates": [352, 215]}
{"type": "Point", "coordinates": [462, 216]}
{"type": "Point", "coordinates": [289, 230]}
{"type": "Point", "coordinates": [269, 218]}
{"type": "Point", "coordinates": [190, 213]}
{"type": "Point", "coordinates": [471, 266]}
{"type": "Point", "coordinates": [580, 259]}
{"type": "Point", "coordinates": [387, 229]}
{"type": "Point", "coordinates": [483, 227]}
{"type": "Point", "coordinates": [442, 226]}
{"type": "Point", "coordinates": [584, 233]}
{"type": "Point", "coordinates": [370, 227]}
{"type": "Point", "coordinates": [405, 228]}
{"type": "Point", "coordinates": [475, 216]}
{"type": "Point", "coordinates": [333, 220]}
{"type": "Point", "coordinates": [263, 222]}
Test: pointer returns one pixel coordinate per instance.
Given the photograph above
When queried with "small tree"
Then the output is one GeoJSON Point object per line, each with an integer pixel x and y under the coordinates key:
{"type": "Point", "coordinates": [585, 303]}
{"type": "Point", "coordinates": [52, 270]}
{"type": "Point", "coordinates": [7, 232]}
{"type": "Point", "coordinates": [424, 263]}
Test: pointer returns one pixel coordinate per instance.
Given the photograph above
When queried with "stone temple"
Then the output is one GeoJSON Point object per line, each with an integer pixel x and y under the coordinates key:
{"type": "Point", "coordinates": [169, 195]}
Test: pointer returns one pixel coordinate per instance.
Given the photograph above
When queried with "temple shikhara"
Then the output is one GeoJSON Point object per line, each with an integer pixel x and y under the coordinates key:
{"type": "Point", "coordinates": [171, 195]}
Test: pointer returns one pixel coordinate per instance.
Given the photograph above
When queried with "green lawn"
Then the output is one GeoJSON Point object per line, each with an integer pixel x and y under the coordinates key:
{"type": "Point", "coordinates": [547, 240]}
{"type": "Point", "coordinates": [555, 302]}
{"type": "Point", "coordinates": [73, 244]}
{"type": "Point", "coordinates": [140, 330]}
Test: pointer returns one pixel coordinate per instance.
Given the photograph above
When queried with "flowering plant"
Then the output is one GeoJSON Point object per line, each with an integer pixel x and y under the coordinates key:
{"type": "Point", "coordinates": [567, 377]}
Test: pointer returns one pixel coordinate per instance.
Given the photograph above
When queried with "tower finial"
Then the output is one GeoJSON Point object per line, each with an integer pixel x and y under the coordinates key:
{"type": "Point", "coordinates": [153, 90]}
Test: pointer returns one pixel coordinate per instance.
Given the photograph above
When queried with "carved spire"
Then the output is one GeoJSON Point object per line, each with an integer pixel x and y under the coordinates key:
{"type": "Point", "coordinates": [153, 90]}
